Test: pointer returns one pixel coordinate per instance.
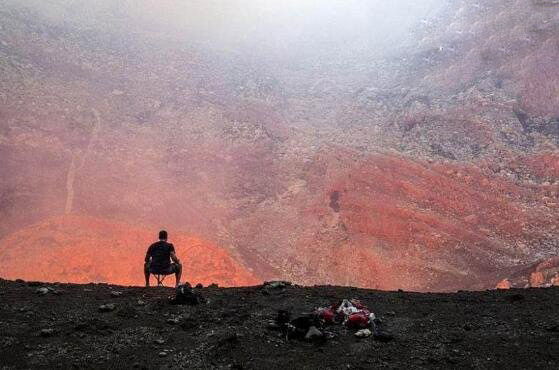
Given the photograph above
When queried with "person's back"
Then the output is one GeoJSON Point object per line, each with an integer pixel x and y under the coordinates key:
{"type": "Point", "coordinates": [160, 253]}
{"type": "Point", "coordinates": [158, 259]}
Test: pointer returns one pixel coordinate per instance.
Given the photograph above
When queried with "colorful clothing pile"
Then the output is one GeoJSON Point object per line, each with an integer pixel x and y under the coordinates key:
{"type": "Point", "coordinates": [312, 326]}
{"type": "Point", "coordinates": [351, 313]}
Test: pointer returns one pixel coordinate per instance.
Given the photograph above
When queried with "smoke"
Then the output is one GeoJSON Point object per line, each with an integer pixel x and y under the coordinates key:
{"type": "Point", "coordinates": [218, 65]}
{"type": "Point", "coordinates": [336, 28]}
{"type": "Point", "coordinates": [292, 26]}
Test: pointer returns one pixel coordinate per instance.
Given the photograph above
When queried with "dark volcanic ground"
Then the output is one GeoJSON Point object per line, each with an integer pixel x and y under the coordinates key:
{"type": "Point", "coordinates": [493, 329]}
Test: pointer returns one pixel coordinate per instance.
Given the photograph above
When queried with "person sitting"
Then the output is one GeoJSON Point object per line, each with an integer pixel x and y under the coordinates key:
{"type": "Point", "coordinates": [159, 257]}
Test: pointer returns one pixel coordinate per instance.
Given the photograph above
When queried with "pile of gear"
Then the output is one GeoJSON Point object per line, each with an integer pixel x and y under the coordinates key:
{"type": "Point", "coordinates": [185, 295]}
{"type": "Point", "coordinates": [314, 326]}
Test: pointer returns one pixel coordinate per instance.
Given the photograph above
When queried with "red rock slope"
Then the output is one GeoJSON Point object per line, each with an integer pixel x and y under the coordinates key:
{"type": "Point", "coordinates": [391, 222]}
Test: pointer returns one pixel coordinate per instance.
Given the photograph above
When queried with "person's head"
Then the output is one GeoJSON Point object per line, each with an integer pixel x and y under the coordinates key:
{"type": "Point", "coordinates": [163, 235]}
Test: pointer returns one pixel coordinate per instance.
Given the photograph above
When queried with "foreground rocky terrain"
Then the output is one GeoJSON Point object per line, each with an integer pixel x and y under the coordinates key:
{"type": "Point", "coordinates": [62, 326]}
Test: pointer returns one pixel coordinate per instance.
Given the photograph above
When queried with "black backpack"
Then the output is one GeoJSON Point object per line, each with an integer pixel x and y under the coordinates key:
{"type": "Point", "coordinates": [185, 295]}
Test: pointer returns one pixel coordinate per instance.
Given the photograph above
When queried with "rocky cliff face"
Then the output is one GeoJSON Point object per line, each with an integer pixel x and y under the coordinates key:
{"type": "Point", "coordinates": [430, 167]}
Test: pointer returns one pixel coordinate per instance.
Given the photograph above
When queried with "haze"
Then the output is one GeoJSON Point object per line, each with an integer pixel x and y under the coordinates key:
{"type": "Point", "coordinates": [332, 27]}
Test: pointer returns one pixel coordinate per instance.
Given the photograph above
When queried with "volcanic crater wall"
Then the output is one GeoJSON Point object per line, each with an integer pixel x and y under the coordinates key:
{"type": "Point", "coordinates": [431, 165]}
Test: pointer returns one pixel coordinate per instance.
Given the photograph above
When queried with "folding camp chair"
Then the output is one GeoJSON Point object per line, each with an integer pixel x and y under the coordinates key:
{"type": "Point", "coordinates": [159, 278]}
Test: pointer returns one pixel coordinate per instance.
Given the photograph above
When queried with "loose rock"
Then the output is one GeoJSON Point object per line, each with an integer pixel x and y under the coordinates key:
{"type": "Point", "coordinates": [313, 333]}
{"type": "Point", "coordinates": [363, 333]}
{"type": "Point", "coordinates": [42, 291]}
{"type": "Point", "coordinates": [107, 307]}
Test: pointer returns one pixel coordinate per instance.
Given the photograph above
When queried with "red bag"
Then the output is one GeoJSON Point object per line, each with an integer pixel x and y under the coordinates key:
{"type": "Point", "coordinates": [327, 315]}
{"type": "Point", "coordinates": [358, 320]}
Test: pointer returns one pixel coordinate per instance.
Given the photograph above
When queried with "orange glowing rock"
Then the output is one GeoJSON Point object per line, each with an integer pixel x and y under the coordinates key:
{"type": "Point", "coordinates": [504, 284]}
{"type": "Point", "coordinates": [537, 279]}
{"type": "Point", "coordinates": [82, 250]}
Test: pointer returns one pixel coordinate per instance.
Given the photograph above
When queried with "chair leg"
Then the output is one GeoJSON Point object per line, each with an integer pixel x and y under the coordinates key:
{"type": "Point", "coordinates": [159, 279]}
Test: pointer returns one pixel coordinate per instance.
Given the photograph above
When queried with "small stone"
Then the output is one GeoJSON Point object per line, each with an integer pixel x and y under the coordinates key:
{"type": "Point", "coordinates": [141, 303]}
{"type": "Point", "coordinates": [162, 354]}
{"type": "Point", "coordinates": [313, 333]}
{"type": "Point", "coordinates": [47, 332]}
{"type": "Point", "coordinates": [272, 325]}
{"type": "Point", "coordinates": [42, 291]}
{"type": "Point", "coordinates": [363, 333]}
{"type": "Point", "coordinates": [107, 307]}
{"type": "Point", "coordinates": [115, 293]}
{"type": "Point", "coordinates": [173, 321]}
{"type": "Point", "coordinates": [276, 284]}
{"type": "Point", "coordinates": [160, 341]}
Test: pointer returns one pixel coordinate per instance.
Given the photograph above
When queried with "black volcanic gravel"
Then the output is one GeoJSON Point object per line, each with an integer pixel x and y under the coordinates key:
{"type": "Point", "coordinates": [66, 328]}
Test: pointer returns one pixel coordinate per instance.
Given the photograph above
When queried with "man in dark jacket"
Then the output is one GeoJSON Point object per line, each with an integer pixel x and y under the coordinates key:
{"type": "Point", "coordinates": [159, 257]}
